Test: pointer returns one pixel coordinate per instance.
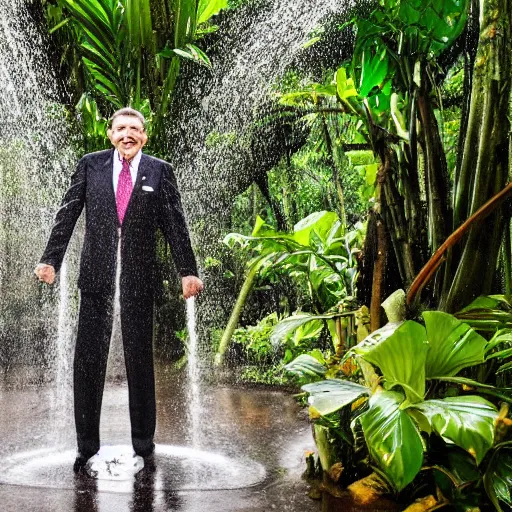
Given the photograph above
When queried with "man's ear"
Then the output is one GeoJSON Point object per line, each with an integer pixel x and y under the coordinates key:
{"type": "Point", "coordinates": [144, 138]}
{"type": "Point", "coordinates": [109, 135]}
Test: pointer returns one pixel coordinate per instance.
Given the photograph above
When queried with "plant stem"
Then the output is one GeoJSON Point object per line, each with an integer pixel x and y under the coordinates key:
{"type": "Point", "coordinates": [235, 314]}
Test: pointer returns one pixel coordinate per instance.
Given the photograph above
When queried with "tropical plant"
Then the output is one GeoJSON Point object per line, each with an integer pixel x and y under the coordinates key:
{"type": "Point", "coordinates": [407, 405]}
{"type": "Point", "coordinates": [317, 251]}
{"type": "Point", "coordinates": [391, 89]}
{"type": "Point", "coordinates": [130, 50]}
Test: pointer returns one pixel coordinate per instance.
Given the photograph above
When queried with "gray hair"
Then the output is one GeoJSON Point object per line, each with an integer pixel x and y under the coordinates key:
{"type": "Point", "coordinates": [127, 111]}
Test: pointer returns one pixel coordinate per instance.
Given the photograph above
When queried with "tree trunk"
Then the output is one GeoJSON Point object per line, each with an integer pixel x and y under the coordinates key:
{"type": "Point", "coordinates": [436, 173]}
{"type": "Point", "coordinates": [484, 166]}
{"type": "Point", "coordinates": [379, 266]}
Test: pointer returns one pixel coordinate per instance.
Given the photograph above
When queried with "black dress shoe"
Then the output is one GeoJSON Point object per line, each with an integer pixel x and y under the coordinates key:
{"type": "Point", "coordinates": [143, 449]}
{"type": "Point", "coordinates": [80, 465]}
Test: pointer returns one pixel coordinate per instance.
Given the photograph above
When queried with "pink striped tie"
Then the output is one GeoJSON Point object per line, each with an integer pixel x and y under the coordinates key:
{"type": "Point", "coordinates": [124, 190]}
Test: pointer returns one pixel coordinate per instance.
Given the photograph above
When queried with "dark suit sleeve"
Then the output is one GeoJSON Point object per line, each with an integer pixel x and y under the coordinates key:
{"type": "Point", "coordinates": [65, 220]}
{"type": "Point", "coordinates": [173, 225]}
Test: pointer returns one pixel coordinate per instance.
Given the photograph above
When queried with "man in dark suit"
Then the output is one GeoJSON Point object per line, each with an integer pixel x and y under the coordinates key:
{"type": "Point", "coordinates": [127, 195]}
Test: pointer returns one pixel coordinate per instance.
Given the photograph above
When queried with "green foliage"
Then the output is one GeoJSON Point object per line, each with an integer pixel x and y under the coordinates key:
{"type": "Point", "coordinates": [268, 375]}
{"type": "Point", "coordinates": [468, 421]}
{"type": "Point", "coordinates": [255, 340]}
{"type": "Point", "coordinates": [192, 52]}
{"type": "Point", "coordinates": [208, 8]}
{"type": "Point", "coordinates": [498, 477]}
{"type": "Point", "coordinates": [426, 27]}
{"type": "Point", "coordinates": [317, 250]}
{"type": "Point", "coordinates": [488, 313]}
{"type": "Point", "coordinates": [401, 358]}
{"type": "Point", "coordinates": [453, 345]}
{"type": "Point", "coordinates": [408, 355]}
{"type": "Point", "coordinates": [125, 62]}
{"type": "Point", "coordinates": [295, 325]}
{"type": "Point", "coordinates": [92, 124]}
{"type": "Point", "coordinates": [328, 396]}
{"type": "Point", "coordinates": [306, 366]}
{"type": "Point", "coordinates": [393, 439]}
{"type": "Point", "coordinates": [101, 35]}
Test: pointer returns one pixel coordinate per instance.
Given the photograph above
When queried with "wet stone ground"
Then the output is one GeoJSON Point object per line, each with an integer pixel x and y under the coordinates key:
{"type": "Point", "coordinates": [223, 448]}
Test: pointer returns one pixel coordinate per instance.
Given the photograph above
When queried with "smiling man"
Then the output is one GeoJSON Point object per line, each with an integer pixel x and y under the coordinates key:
{"type": "Point", "coordinates": [127, 196]}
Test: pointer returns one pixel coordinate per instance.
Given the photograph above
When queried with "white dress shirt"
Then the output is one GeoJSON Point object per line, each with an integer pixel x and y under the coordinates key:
{"type": "Point", "coordinates": [118, 167]}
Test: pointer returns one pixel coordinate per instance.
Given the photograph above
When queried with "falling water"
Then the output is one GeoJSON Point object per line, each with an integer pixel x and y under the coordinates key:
{"type": "Point", "coordinates": [244, 71]}
{"type": "Point", "coordinates": [211, 146]}
{"type": "Point", "coordinates": [193, 374]}
{"type": "Point", "coordinates": [35, 164]}
{"type": "Point", "coordinates": [62, 399]}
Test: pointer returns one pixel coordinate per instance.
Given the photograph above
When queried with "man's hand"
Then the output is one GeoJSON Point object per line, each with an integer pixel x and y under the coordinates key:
{"type": "Point", "coordinates": [191, 285]}
{"type": "Point", "coordinates": [45, 273]}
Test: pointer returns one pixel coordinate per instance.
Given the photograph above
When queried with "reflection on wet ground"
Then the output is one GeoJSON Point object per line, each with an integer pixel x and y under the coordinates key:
{"type": "Point", "coordinates": [247, 454]}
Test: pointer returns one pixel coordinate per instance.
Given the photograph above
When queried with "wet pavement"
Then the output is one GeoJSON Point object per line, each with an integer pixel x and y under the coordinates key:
{"type": "Point", "coordinates": [220, 448]}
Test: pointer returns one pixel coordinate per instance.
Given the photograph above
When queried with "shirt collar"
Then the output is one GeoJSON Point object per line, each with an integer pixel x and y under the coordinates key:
{"type": "Point", "coordinates": [134, 162]}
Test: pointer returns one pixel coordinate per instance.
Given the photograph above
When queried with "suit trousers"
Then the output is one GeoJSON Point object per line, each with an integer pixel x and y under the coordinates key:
{"type": "Point", "coordinates": [90, 364]}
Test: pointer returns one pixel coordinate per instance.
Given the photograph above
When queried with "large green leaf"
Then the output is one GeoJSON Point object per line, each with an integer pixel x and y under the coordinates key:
{"type": "Point", "coordinates": [344, 86]}
{"type": "Point", "coordinates": [467, 421]}
{"type": "Point", "coordinates": [184, 21]}
{"type": "Point", "coordinates": [392, 438]}
{"type": "Point", "coordinates": [328, 396]}
{"type": "Point", "coordinates": [498, 478]}
{"type": "Point", "coordinates": [401, 358]}
{"type": "Point", "coordinates": [319, 222]}
{"type": "Point", "coordinates": [306, 365]}
{"type": "Point", "coordinates": [374, 71]}
{"type": "Point", "coordinates": [453, 345]}
{"type": "Point", "coordinates": [208, 8]}
{"type": "Point", "coordinates": [289, 324]}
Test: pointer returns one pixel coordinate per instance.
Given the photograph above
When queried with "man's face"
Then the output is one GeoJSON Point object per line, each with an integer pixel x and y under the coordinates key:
{"type": "Point", "coordinates": [127, 135]}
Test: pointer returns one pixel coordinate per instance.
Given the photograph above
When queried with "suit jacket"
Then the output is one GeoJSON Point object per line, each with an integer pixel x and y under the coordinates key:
{"type": "Point", "coordinates": [158, 205]}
